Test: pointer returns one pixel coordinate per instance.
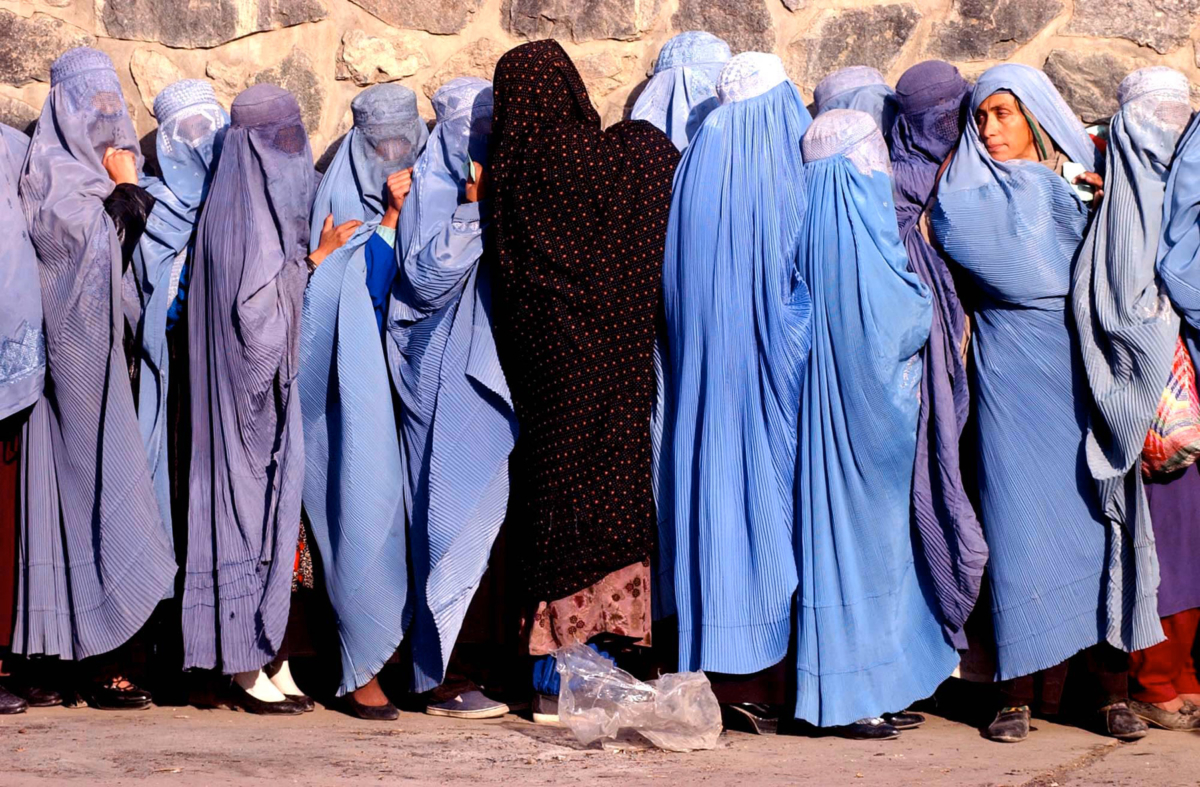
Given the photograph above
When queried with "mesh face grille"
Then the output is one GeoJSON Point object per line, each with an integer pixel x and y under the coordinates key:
{"type": "Point", "coordinates": [107, 103]}
{"type": "Point", "coordinates": [289, 139]}
{"type": "Point", "coordinates": [946, 126]}
{"type": "Point", "coordinates": [1173, 114]}
{"type": "Point", "coordinates": [392, 149]}
{"type": "Point", "coordinates": [193, 128]}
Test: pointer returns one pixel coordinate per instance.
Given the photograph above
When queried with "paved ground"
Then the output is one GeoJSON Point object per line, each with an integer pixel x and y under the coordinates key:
{"type": "Point", "coordinates": [185, 746]}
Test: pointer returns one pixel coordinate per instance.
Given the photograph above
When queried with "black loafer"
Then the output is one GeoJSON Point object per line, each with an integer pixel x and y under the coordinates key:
{"type": "Point", "coordinates": [108, 697]}
{"type": "Point", "coordinates": [242, 700]}
{"type": "Point", "coordinates": [866, 730]}
{"type": "Point", "coordinates": [36, 696]}
{"type": "Point", "coordinates": [1011, 725]}
{"type": "Point", "coordinates": [1121, 723]}
{"type": "Point", "coordinates": [10, 703]}
{"type": "Point", "coordinates": [904, 720]}
{"type": "Point", "coordinates": [388, 712]}
{"type": "Point", "coordinates": [303, 700]}
{"type": "Point", "coordinates": [755, 718]}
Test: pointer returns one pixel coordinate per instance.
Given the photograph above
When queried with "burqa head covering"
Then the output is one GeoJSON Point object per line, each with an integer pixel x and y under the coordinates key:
{"type": "Point", "coordinates": [96, 556]}
{"type": "Point", "coordinates": [1126, 327]}
{"type": "Point", "coordinates": [191, 127]}
{"type": "Point", "coordinates": [931, 103]}
{"type": "Point", "coordinates": [1179, 250]}
{"type": "Point", "coordinates": [867, 638]}
{"type": "Point", "coordinates": [22, 345]}
{"type": "Point", "coordinates": [858, 87]}
{"type": "Point", "coordinates": [737, 337]}
{"type": "Point", "coordinates": [683, 89]}
{"type": "Point", "coordinates": [247, 449]}
{"type": "Point", "coordinates": [581, 216]}
{"type": "Point", "coordinates": [354, 483]}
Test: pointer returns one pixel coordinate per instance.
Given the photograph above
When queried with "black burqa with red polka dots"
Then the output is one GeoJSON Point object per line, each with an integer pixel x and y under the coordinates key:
{"type": "Point", "coordinates": [579, 226]}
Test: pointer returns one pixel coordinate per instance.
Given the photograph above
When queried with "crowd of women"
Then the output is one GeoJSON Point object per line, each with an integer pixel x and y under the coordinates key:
{"type": "Point", "coordinates": [832, 409]}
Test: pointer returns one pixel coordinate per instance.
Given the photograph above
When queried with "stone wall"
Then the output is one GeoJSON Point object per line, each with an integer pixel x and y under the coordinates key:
{"type": "Point", "coordinates": [326, 50]}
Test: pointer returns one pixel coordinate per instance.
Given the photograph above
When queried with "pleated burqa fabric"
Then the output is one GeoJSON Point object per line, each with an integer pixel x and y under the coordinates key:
{"type": "Point", "coordinates": [1127, 330]}
{"type": "Point", "coordinates": [862, 88]}
{"type": "Point", "coordinates": [22, 343]}
{"type": "Point", "coordinates": [683, 89]}
{"type": "Point", "coordinates": [354, 474]}
{"type": "Point", "coordinates": [247, 467]}
{"type": "Point", "coordinates": [931, 97]}
{"type": "Point", "coordinates": [1015, 227]}
{"type": "Point", "coordinates": [94, 558]}
{"type": "Point", "coordinates": [458, 422]}
{"type": "Point", "coordinates": [191, 127]}
{"type": "Point", "coordinates": [580, 221]}
{"type": "Point", "coordinates": [868, 637]}
{"type": "Point", "coordinates": [737, 340]}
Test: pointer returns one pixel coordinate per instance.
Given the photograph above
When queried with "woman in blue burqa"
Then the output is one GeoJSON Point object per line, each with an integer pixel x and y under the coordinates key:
{"type": "Point", "coordinates": [458, 423]}
{"type": "Point", "coordinates": [247, 465]}
{"type": "Point", "coordinates": [191, 127]}
{"type": "Point", "coordinates": [683, 89]}
{"type": "Point", "coordinates": [1005, 213]}
{"type": "Point", "coordinates": [96, 558]}
{"type": "Point", "coordinates": [737, 320]}
{"type": "Point", "coordinates": [862, 88]}
{"type": "Point", "coordinates": [868, 635]}
{"type": "Point", "coordinates": [354, 477]}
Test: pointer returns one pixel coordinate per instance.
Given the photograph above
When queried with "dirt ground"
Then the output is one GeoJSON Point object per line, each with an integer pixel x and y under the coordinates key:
{"type": "Point", "coordinates": [186, 746]}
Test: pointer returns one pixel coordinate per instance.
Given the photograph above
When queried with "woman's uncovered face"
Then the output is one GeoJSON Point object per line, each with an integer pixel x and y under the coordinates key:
{"type": "Point", "coordinates": [1003, 129]}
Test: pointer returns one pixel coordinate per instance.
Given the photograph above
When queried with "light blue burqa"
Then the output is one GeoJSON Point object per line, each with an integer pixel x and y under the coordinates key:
{"type": "Point", "coordinates": [683, 89]}
{"type": "Point", "coordinates": [191, 127]}
{"type": "Point", "coordinates": [862, 88]}
{"type": "Point", "coordinates": [1179, 249]}
{"type": "Point", "coordinates": [738, 336]}
{"type": "Point", "coordinates": [22, 344]}
{"type": "Point", "coordinates": [457, 421]}
{"type": "Point", "coordinates": [868, 635]}
{"type": "Point", "coordinates": [1015, 227]}
{"type": "Point", "coordinates": [354, 476]}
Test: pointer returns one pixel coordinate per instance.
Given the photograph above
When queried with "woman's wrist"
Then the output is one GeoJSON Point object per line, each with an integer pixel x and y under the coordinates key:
{"type": "Point", "coordinates": [391, 218]}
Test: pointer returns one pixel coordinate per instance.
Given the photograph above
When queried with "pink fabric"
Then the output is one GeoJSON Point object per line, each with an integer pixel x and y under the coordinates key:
{"type": "Point", "coordinates": [618, 604]}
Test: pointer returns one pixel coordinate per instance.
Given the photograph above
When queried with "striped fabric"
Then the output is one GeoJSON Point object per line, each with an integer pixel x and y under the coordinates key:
{"type": "Point", "coordinates": [868, 639]}
{"type": "Point", "coordinates": [354, 475]}
{"type": "Point", "coordinates": [683, 89]}
{"type": "Point", "coordinates": [22, 344]}
{"type": "Point", "coordinates": [94, 557]}
{"type": "Point", "coordinates": [737, 341]}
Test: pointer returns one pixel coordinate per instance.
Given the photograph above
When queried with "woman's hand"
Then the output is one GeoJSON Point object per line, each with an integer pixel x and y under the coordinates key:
{"type": "Point", "coordinates": [398, 186]}
{"type": "Point", "coordinates": [477, 186]}
{"type": "Point", "coordinates": [121, 165]}
{"type": "Point", "coordinates": [1096, 182]}
{"type": "Point", "coordinates": [332, 238]}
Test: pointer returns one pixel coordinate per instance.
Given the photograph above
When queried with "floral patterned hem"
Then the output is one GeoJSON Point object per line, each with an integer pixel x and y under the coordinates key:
{"type": "Point", "coordinates": [618, 604]}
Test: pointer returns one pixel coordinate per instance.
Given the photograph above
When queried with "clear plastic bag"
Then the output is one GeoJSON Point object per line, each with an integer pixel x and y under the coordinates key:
{"type": "Point", "coordinates": [677, 712]}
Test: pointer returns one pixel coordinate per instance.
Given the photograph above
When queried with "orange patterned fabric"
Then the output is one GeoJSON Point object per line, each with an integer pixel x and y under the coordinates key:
{"type": "Point", "coordinates": [1173, 441]}
{"type": "Point", "coordinates": [580, 223]}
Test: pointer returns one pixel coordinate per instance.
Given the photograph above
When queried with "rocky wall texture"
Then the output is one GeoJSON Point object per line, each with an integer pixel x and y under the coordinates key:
{"type": "Point", "coordinates": [327, 50]}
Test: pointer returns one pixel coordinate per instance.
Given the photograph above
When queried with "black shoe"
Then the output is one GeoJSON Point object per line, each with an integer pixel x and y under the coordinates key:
{"type": "Point", "coordinates": [753, 717]}
{"type": "Point", "coordinates": [10, 703]}
{"type": "Point", "coordinates": [304, 701]}
{"type": "Point", "coordinates": [36, 696]}
{"type": "Point", "coordinates": [904, 720]}
{"type": "Point", "coordinates": [388, 712]}
{"type": "Point", "coordinates": [1121, 723]}
{"type": "Point", "coordinates": [866, 730]}
{"type": "Point", "coordinates": [243, 700]}
{"type": "Point", "coordinates": [1011, 725]}
{"type": "Point", "coordinates": [110, 696]}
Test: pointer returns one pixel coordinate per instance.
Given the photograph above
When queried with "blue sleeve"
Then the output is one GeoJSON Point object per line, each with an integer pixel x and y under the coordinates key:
{"type": "Point", "coordinates": [381, 271]}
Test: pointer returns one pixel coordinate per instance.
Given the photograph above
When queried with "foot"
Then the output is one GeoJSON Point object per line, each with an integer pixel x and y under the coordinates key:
{"type": "Point", "coordinates": [468, 705]}
{"type": "Point", "coordinates": [1011, 725]}
{"type": "Point", "coordinates": [385, 712]}
{"type": "Point", "coordinates": [257, 685]}
{"type": "Point", "coordinates": [10, 703]}
{"type": "Point", "coordinates": [244, 700]}
{"type": "Point", "coordinates": [117, 694]}
{"type": "Point", "coordinates": [867, 730]}
{"type": "Point", "coordinates": [904, 720]}
{"type": "Point", "coordinates": [752, 717]}
{"type": "Point", "coordinates": [1154, 713]}
{"type": "Point", "coordinates": [1121, 723]}
{"type": "Point", "coordinates": [371, 695]}
{"type": "Point", "coordinates": [545, 709]}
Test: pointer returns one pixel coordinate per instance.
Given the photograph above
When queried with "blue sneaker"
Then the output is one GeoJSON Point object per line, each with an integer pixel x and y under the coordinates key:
{"type": "Point", "coordinates": [468, 705]}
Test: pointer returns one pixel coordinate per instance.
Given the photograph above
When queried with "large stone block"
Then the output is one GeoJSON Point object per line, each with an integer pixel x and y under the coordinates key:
{"type": "Point", "coordinates": [1162, 25]}
{"type": "Point", "coordinates": [744, 24]}
{"type": "Point", "coordinates": [201, 23]}
{"type": "Point", "coordinates": [604, 72]}
{"type": "Point", "coordinates": [443, 17]}
{"type": "Point", "coordinates": [474, 60]}
{"type": "Point", "coordinates": [579, 20]}
{"type": "Point", "coordinates": [295, 73]}
{"type": "Point", "coordinates": [1089, 80]}
{"type": "Point", "coordinates": [29, 45]}
{"type": "Point", "coordinates": [369, 59]}
{"type": "Point", "coordinates": [991, 29]}
{"type": "Point", "coordinates": [152, 71]}
{"type": "Point", "coordinates": [871, 36]}
{"type": "Point", "coordinates": [17, 114]}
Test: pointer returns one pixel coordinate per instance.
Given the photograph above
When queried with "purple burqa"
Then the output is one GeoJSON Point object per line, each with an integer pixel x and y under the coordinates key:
{"type": "Point", "coordinates": [95, 559]}
{"type": "Point", "coordinates": [931, 98]}
{"type": "Point", "coordinates": [247, 449]}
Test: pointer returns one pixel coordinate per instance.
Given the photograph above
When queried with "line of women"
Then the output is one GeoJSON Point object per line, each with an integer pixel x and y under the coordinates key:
{"type": "Point", "coordinates": [832, 409]}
